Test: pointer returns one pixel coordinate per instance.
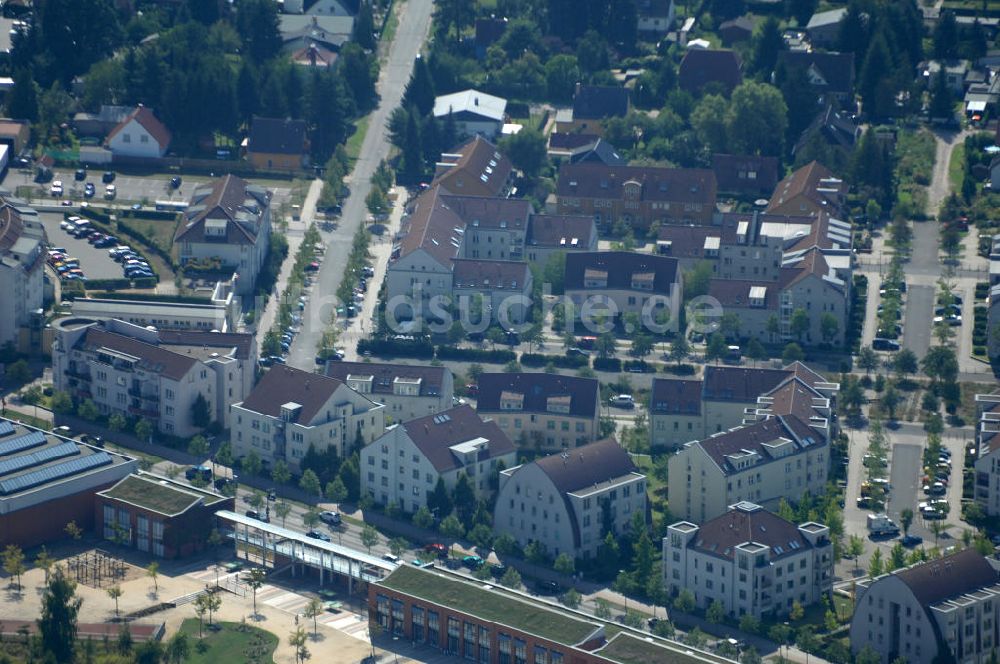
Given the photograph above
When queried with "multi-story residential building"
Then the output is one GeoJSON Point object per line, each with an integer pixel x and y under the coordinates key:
{"type": "Point", "coordinates": [490, 624]}
{"type": "Point", "coordinates": [474, 168]}
{"type": "Point", "coordinates": [403, 466]}
{"type": "Point", "coordinates": [220, 312]}
{"type": "Point", "coordinates": [227, 225]}
{"type": "Point", "coordinates": [472, 112]}
{"type": "Point", "coordinates": [539, 410]}
{"type": "Point", "coordinates": [637, 196]}
{"type": "Point", "coordinates": [551, 234]}
{"type": "Point", "coordinates": [685, 410]}
{"type": "Point", "coordinates": [747, 175]}
{"type": "Point", "coordinates": [810, 190]}
{"type": "Point", "coordinates": [503, 288]}
{"type": "Point", "coordinates": [751, 560]}
{"type": "Point", "coordinates": [407, 391]}
{"type": "Point", "coordinates": [779, 457]}
{"type": "Point", "coordinates": [46, 481]}
{"type": "Point", "coordinates": [993, 316]}
{"type": "Point", "coordinates": [943, 610]}
{"type": "Point", "coordinates": [22, 244]}
{"type": "Point", "coordinates": [158, 375]}
{"type": "Point", "coordinates": [290, 411]}
{"type": "Point", "coordinates": [622, 282]}
{"type": "Point", "coordinates": [987, 486]}
{"type": "Point", "coordinates": [159, 516]}
{"type": "Point", "coordinates": [565, 500]}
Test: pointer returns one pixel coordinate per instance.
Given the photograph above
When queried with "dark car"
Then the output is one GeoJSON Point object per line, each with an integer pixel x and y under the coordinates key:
{"type": "Point", "coordinates": [549, 587]}
{"type": "Point", "coordinates": [254, 514]}
{"type": "Point", "coordinates": [911, 540]}
{"type": "Point", "coordinates": [497, 570]}
{"type": "Point", "coordinates": [108, 177]}
{"type": "Point", "coordinates": [80, 175]}
{"type": "Point", "coordinates": [221, 483]}
{"type": "Point", "coordinates": [175, 182]}
{"type": "Point", "coordinates": [89, 190]}
{"type": "Point", "coordinates": [576, 352]}
{"type": "Point", "coordinates": [318, 534]}
{"type": "Point", "coordinates": [198, 471]}
{"type": "Point", "coordinates": [880, 343]}
{"type": "Point", "coordinates": [473, 562]}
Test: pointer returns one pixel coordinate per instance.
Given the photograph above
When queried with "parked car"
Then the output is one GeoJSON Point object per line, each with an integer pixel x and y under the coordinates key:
{"type": "Point", "coordinates": [110, 192]}
{"type": "Point", "coordinates": [89, 190]}
{"type": "Point", "coordinates": [108, 177]}
{"type": "Point", "coordinates": [56, 189]}
{"type": "Point", "coordinates": [623, 401]}
{"type": "Point", "coordinates": [329, 517]}
{"type": "Point", "coordinates": [880, 343]}
{"type": "Point", "coordinates": [576, 352]}
{"type": "Point", "coordinates": [80, 175]}
{"type": "Point", "coordinates": [473, 562]}
{"type": "Point", "coordinates": [204, 472]}
{"type": "Point", "coordinates": [318, 534]}
{"type": "Point", "coordinates": [911, 541]}
{"type": "Point", "coordinates": [175, 182]}
{"type": "Point", "coordinates": [549, 587]}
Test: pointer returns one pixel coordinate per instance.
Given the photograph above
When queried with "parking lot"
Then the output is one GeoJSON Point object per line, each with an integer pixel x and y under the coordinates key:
{"type": "Point", "coordinates": [145, 189]}
{"type": "Point", "coordinates": [95, 263]}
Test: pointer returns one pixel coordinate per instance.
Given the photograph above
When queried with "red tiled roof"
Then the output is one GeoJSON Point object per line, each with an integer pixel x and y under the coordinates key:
{"type": "Point", "coordinates": [144, 116]}
{"type": "Point", "coordinates": [434, 435]}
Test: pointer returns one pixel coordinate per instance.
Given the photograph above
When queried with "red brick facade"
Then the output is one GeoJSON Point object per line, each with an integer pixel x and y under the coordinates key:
{"type": "Point", "coordinates": [183, 535]}
{"type": "Point", "coordinates": [395, 614]}
{"type": "Point", "coordinates": [46, 521]}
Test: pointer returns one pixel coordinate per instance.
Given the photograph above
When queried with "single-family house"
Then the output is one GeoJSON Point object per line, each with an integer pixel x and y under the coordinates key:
{"type": "Point", "coordinates": [473, 112]}
{"type": "Point", "coordinates": [140, 134]}
{"type": "Point", "coordinates": [278, 144]}
{"type": "Point", "coordinates": [824, 27]}
{"type": "Point", "coordinates": [592, 105]}
{"type": "Point", "coordinates": [718, 68]}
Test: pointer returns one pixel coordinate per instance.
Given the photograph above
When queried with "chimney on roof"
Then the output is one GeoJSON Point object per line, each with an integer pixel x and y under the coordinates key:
{"type": "Point", "coordinates": [475, 101]}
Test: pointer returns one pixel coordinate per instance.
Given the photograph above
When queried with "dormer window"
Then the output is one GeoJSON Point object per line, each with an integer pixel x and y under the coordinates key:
{"type": "Point", "coordinates": [511, 401]}
{"type": "Point", "coordinates": [558, 404]}
{"type": "Point", "coordinates": [758, 296]}
{"type": "Point", "coordinates": [595, 278]}
{"type": "Point", "coordinates": [643, 281]}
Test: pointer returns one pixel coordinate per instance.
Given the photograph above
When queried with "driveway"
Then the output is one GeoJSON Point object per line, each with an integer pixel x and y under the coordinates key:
{"type": "Point", "coordinates": [905, 481]}
{"type": "Point", "coordinates": [918, 317]}
{"type": "Point", "coordinates": [414, 24]}
{"type": "Point", "coordinates": [95, 263]}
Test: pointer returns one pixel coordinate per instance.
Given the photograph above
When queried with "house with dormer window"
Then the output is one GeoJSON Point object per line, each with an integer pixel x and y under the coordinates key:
{"type": "Point", "coordinates": [541, 411]}
{"type": "Point", "coordinates": [407, 391]}
{"type": "Point", "coordinates": [622, 282]}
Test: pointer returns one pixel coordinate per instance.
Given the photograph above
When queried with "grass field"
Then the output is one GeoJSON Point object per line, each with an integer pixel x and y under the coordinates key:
{"type": "Point", "coordinates": [956, 167]}
{"type": "Point", "coordinates": [229, 645]}
{"type": "Point", "coordinates": [353, 145]}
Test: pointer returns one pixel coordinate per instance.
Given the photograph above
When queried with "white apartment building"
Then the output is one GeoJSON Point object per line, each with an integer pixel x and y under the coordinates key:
{"type": "Point", "coordinates": [22, 244]}
{"type": "Point", "coordinates": [729, 396]}
{"type": "Point", "coordinates": [751, 560]}
{"type": "Point", "coordinates": [941, 610]}
{"type": "Point", "coordinates": [228, 221]}
{"type": "Point", "coordinates": [779, 457]}
{"type": "Point", "coordinates": [407, 391]}
{"type": "Point", "coordinates": [290, 410]}
{"type": "Point", "coordinates": [403, 466]}
{"type": "Point", "coordinates": [559, 500]}
{"type": "Point", "coordinates": [987, 486]}
{"type": "Point", "coordinates": [220, 312]}
{"type": "Point", "coordinates": [541, 411]}
{"type": "Point", "coordinates": [142, 372]}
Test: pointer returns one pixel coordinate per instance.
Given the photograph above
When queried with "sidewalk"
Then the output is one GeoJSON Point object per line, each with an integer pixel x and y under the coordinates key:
{"type": "Point", "coordinates": [296, 231]}
{"type": "Point", "coordinates": [379, 249]}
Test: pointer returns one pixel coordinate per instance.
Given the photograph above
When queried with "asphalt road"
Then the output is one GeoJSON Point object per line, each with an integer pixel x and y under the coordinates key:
{"type": "Point", "coordinates": [904, 478]}
{"type": "Point", "coordinates": [95, 263]}
{"type": "Point", "coordinates": [918, 317]}
{"type": "Point", "coordinates": [395, 73]}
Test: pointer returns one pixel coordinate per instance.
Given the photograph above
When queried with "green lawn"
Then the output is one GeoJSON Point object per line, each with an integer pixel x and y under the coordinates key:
{"type": "Point", "coordinates": [353, 145]}
{"type": "Point", "coordinates": [229, 645]}
{"type": "Point", "coordinates": [956, 167]}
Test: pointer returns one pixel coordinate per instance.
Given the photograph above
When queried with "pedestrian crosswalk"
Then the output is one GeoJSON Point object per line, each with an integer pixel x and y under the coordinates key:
{"type": "Point", "coordinates": [292, 603]}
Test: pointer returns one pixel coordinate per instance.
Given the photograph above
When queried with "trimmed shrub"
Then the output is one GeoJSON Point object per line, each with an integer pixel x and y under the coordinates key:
{"type": "Point", "coordinates": [391, 347]}
{"type": "Point", "coordinates": [607, 364]}
{"type": "Point", "coordinates": [561, 361]}
{"type": "Point", "coordinates": [475, 355]}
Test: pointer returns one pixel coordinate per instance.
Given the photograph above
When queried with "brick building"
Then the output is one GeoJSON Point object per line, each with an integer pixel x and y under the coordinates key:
{"type": "Point", "coordinates": [46, 481]}
{"type": "Point", "coordinates": [159, 516]}
{"type": "Point", "coordinates": [492, 625]}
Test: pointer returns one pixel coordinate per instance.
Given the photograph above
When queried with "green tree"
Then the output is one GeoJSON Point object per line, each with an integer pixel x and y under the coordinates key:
{"type": "Point", "coordinates": [564, 564]}
{"type": "Point", "coordinates": [765, 46]}
{"type": "Point", "coordinates": [336, 492]}
{"type": "Point", "coordinates": [282, 510]}
{"type": "Point", "coordinates": [370, 537]}
{"type": "Point", "coordinates": [364, 27]}
{"type": "Point", "coordinates": [715, 613]}
{"type": "Point", "coordinates": [527, 151]}
{"type": "Point", "coordinates": [829, 327]}
{"type": "Point", "coordinates": [684, 602]}
{"type": "Point", "coordinates": [257, 24]}
{"type": "Point", "coordinates": [792, 353]}
{"type": "Point", "coordinates": [198, 446]}
{"type": "Point", "coordinates": [797, 611]}
{"type": "Point", "coordinates": [62, 403]}
{"type": "Point", "coordinates": [709, 121]}
{"type": "Point", "coordinates": [511, 579]}
{"type": "Point", "coordinates": [153, 571]}
{"type": "Point", "coordinates": [799, 323]}
{"type": "Point", "coordinates": [716, 348]}
{"type": "Point", "coordinates": [88, 411]}
{"type": "Point", "coordinates": [571, 598]}
{"type": "Point", "coordinates": [251, 463]}
{"type": "Point", "coordinates": [561, 75]}
{"type": "Point", "coordinates": [115, 592]}
{"type": "Point", "coordinates": [57, 623]}
{"type": "Point", "coordinates": [314, 609]}
{"type": "Point", "coordinates": [875, 564]}
{"type": "Point", "coordinates": [451, 527]}
{"type": "Point", "coordinates": [868, 359]}
{"type": "Point", "coordinates": [178, 648]}
{"type": "Point", "coordinates": [116, 422]}
{"type": "Point", "coordinates": [756, 119]}
{"type": "Point", "coordinates": [423, 518]}
{"type": "Point", "coordinates": [13, 562]}
{"type": "Point", "coordinates": [481, 535]}
{"type": "Point", "coordinates": [281, 474]}
{"type": "Point", "coordinates": [143, 429]}
{"type": "Point", "coordinates": [255, 579]}
{"type": "Point", "coordinates": [855, 548]}
{"type": "Point", "coordinates": [439, 501]}
{"type": "Point", "coordinates": [680, 349]}
{"type": "Point", "coordinates": [22, 102]}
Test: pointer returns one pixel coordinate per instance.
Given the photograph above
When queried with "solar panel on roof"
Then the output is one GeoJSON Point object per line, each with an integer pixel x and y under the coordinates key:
{"type": "Point", "coordinates": [25, 442]}
{"type": "Point", "coordinates": [6, 428]}
{"type": "Point", "coordinates": [23, 461]}
{"type": "Point", "coordinates": [43, 475]}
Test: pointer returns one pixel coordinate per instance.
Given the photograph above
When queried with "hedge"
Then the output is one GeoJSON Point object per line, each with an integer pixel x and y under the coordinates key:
{"type": "Point", "coordinates": [679, 369]}
{"type": "Point", "coordinates": [155, 297]}
{"type": "Point", "coordinates": [642, 365]}
{"type": "Point", "coordinates": [607, 364]}
{"type": "Point", "coordinates": [561, 361]}
{"type": "Point", "coordinates": [416, 349]}
{"type": "Point", "coordinates": [475, 355]}
{"type": "Point", "coordinates": [121, 284]}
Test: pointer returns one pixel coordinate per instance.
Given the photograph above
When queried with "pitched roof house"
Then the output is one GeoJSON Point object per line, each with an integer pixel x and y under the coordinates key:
{"type": "Point", "coordinates": [278, 143]}
{"type": "Point", "coordinates": [139, 134]}
{"type": "Point", "coordinates": [473, 112]}
{"type": "Point", "coordinates": [474, 168]}
{"type": "Point", "coordinates": [701, 67]}
{"type": "Point", "coordinates": [751, 175]}
{"type": "Point", "coordinates": [809, 190]}
{"type": "Point", "coordinates": [435, 447]}
{"type": "Point", "coordinates": [830, 74]}
{"type": "Point", "coordinates": [563, 492]}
